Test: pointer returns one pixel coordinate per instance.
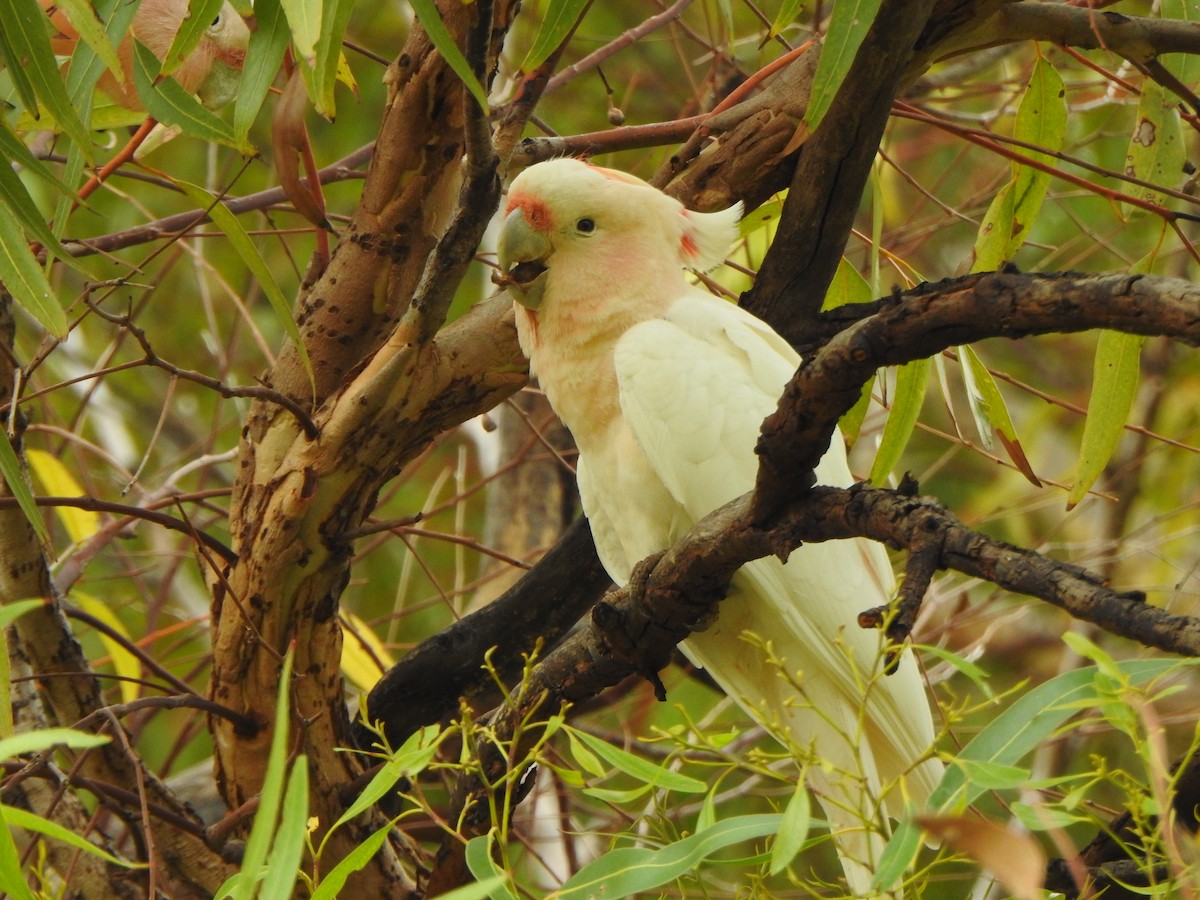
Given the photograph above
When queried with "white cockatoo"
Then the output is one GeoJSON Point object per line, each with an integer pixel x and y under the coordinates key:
{"type": "Point", "coordinates": [664, 387]}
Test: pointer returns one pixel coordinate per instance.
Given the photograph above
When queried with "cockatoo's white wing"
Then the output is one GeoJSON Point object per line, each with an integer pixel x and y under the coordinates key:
{"type": "Point", "coordinates": [695, 387]}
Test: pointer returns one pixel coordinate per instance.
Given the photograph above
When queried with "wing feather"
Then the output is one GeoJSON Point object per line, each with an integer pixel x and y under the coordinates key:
{"type": "Point", "coordinates": [694, 388]}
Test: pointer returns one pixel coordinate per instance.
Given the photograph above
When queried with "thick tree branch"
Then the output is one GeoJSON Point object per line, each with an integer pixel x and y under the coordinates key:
{"type": "Point", "coordinates": [426, 685]}
{"type": "Point", "coordinates": [827, 185]}
{"type": "Point", "coordinates": [932, 317]}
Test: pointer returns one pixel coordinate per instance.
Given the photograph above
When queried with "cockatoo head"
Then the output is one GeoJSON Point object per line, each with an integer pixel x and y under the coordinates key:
{"type": "Point", "coordinates": [568, 223]}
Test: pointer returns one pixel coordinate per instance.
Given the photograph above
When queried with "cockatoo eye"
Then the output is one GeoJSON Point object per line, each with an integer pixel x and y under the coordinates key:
{"type": "Point", "coordinates": [215, 24]}
{"type": "Point", "coordinates": [585, 225]}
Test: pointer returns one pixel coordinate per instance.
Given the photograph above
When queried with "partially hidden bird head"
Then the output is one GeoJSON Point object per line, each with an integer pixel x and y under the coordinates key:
{"type": "Point", "coordinates": [212, 70]}
{"type": "Point", "coordinates": [570, 227]}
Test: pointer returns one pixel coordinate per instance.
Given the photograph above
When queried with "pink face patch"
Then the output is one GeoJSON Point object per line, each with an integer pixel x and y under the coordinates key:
{"type": "Point", "coordinates": [536, 213]}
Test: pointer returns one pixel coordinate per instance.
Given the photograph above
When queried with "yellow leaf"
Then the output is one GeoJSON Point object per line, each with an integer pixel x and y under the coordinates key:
{"type": "Point", "coordinates": [364, 658]}
{"type": "Point", "coordinates": [124, 663]}
{"type": "Point", "coordinates": [56, 481]}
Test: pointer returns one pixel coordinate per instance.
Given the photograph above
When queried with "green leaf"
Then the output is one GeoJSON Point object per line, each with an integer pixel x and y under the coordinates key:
{"type": "Point", "coordinates": [906, 406]}
{"type": "Point", "coordinates": [1114, 383]}
{"type": "Point", "coordinates": [14, 475]}
{"type": "Point", "coordinates": [558, 19]}
{"type": "Point", "coordinates": [766, 214]}
{"type": "Point", "coordinates": [588, 761]}
{"type": "Point", "coordinates": [788, 10]}
{"type": "Point", "coordinates": [45, 738]}
{"type": "Point", "coordinates": [1185, 66]}
{"type": "Point", "coordinates": [11, 611]}
{"type": "Point", "coordinates": [995, 232]}
{"type": "Point", "coordinates": [1018, 730]}
{"type": "Point", "coordinates": [284, 863]}
{"type": "Point", "coordinates": [618, 797]}
{"type": "Point", "coordinates": [15, 199]}
{"type": "Point", "coordinates": [412, 757]}
{"type": "Point", "coordinates": [483, 867]}
{"type": "Point", "coordinates": [242, 885]}
{"type": "Point", "coordinates": [25, 43]}
{"type": "Point", "coordinates": [626, 871]}
{"type": "Point", "coordinates": [477, 891]}
{"type": "Point", "coordinates": [848, 286]}
{"type": "Point", "coordinates": [248, 253]}
{"type": "Point", "coordinates": [1041, 120]}
{"type": "Point", "coordinates": [12, 880]}
{"type": "Point", "coordinates": [12, 150]}
{"type": "Point", "coordinates": [27, 282]}
{"type": "Point", "coordinates": [322, 77]}
{"type": "Point", "coordinates": [1004, 741]}
{"type": "Point", "coordinates": [268, 42]}
{"type": "Point", "coordinates": [793, 830]}
{"type": "Point", "coordinates": [848, 25]}
{"type": "Point", "coordinates": [83, 18]}
{"type": "Point", "coordinates": [331, 885]}
{"type": "Point", "coordinates": [650, 773]}
{"type": "Point", "coordinates": [992, 776]}
{"type": "Point", "coordinates": [20, 818]}
{"type": "Point", "coordinates": [1156, 150]}
{"type": "Point", "coordinates": [431, 21]}
{"type": "Point", "coordinates": [1044, 818]}
{"type": "Point", "coordinates": [305, 18]}
{"type": "Point", "coordinates": [201, 14]}
{"type": "Point", "coordinates": [898, 855]}
{"type": "Point", "coordinates": [977, 675]}
{"type": "Point", "coordinates": [991, 412]}
{"type": "Point", "coordinates": [170, 104]}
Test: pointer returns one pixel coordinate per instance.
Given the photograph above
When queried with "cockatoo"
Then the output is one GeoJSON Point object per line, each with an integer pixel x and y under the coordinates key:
{"type": "Point", "coordinates": [664, 387]}
{"type": "Point", "coordinates": [212, 70]}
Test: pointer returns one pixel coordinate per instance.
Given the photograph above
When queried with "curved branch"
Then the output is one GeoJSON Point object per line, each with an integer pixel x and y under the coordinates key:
{"type": "Point", "coordinates": [932, 317]}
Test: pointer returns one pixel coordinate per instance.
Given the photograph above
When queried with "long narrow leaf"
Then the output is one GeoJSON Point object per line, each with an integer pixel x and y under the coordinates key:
{"type": "Point", "coordinates": [170, 104]}
{"type": "Point", "coordinates": [248, 253]}
{"type": "Point", "coordinates": [627, 871]}
{"type": "Point", "coordinates": [906, 406]}
{"type": "Point", "coordinates": [991, 412]}
{"type": "Point", "coordinates": [14, 475]}
{"type": "Point", "coordinates": [305, 18]}
{"type": "Point", "coordinates": [26, 43]}
{"type": "Point", "coordinates": [20, 818]}
{"type": "Point", "coordinates": [263, 58]}
{"type": "Point", "coordinates": [641, 769]}
{"type": "Point", "coordinates": [431, 21]}
{"type": "Point", "coordinates": [560, 17]}
{"type": "Point", "coordinates": [331, 885]}
{"type": "Point", "coordinates": [201, 14]}
{"type": "Point", "coordinates": [12, 880]}
{"type": "Point", "coordinates": [848, 26]}
{"type": "Point", "coordinates": [1156, 151]}
{"type": "Point", "coordinates": [788, 10]}
{"type": "Point", "coordinates": [26, 281]}
{"type": "Point", "coordinates": [1114, 382]}
{"type": "Point", "coordinates": [242, 885]}
{"type": "Point", "coordinates": [87, 24]}
{"type": "Point", "coordinates": [284, 863]}
{"type": "Point", "coordinates": [45, 738]}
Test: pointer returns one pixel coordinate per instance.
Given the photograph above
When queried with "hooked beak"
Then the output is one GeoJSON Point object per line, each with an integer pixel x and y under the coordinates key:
{"type": "Point", "coordinates": [523, 252]}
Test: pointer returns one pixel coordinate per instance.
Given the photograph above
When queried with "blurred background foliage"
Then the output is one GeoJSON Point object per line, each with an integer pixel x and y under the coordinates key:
{"type": "Point", "coordinates": [126, 433]}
